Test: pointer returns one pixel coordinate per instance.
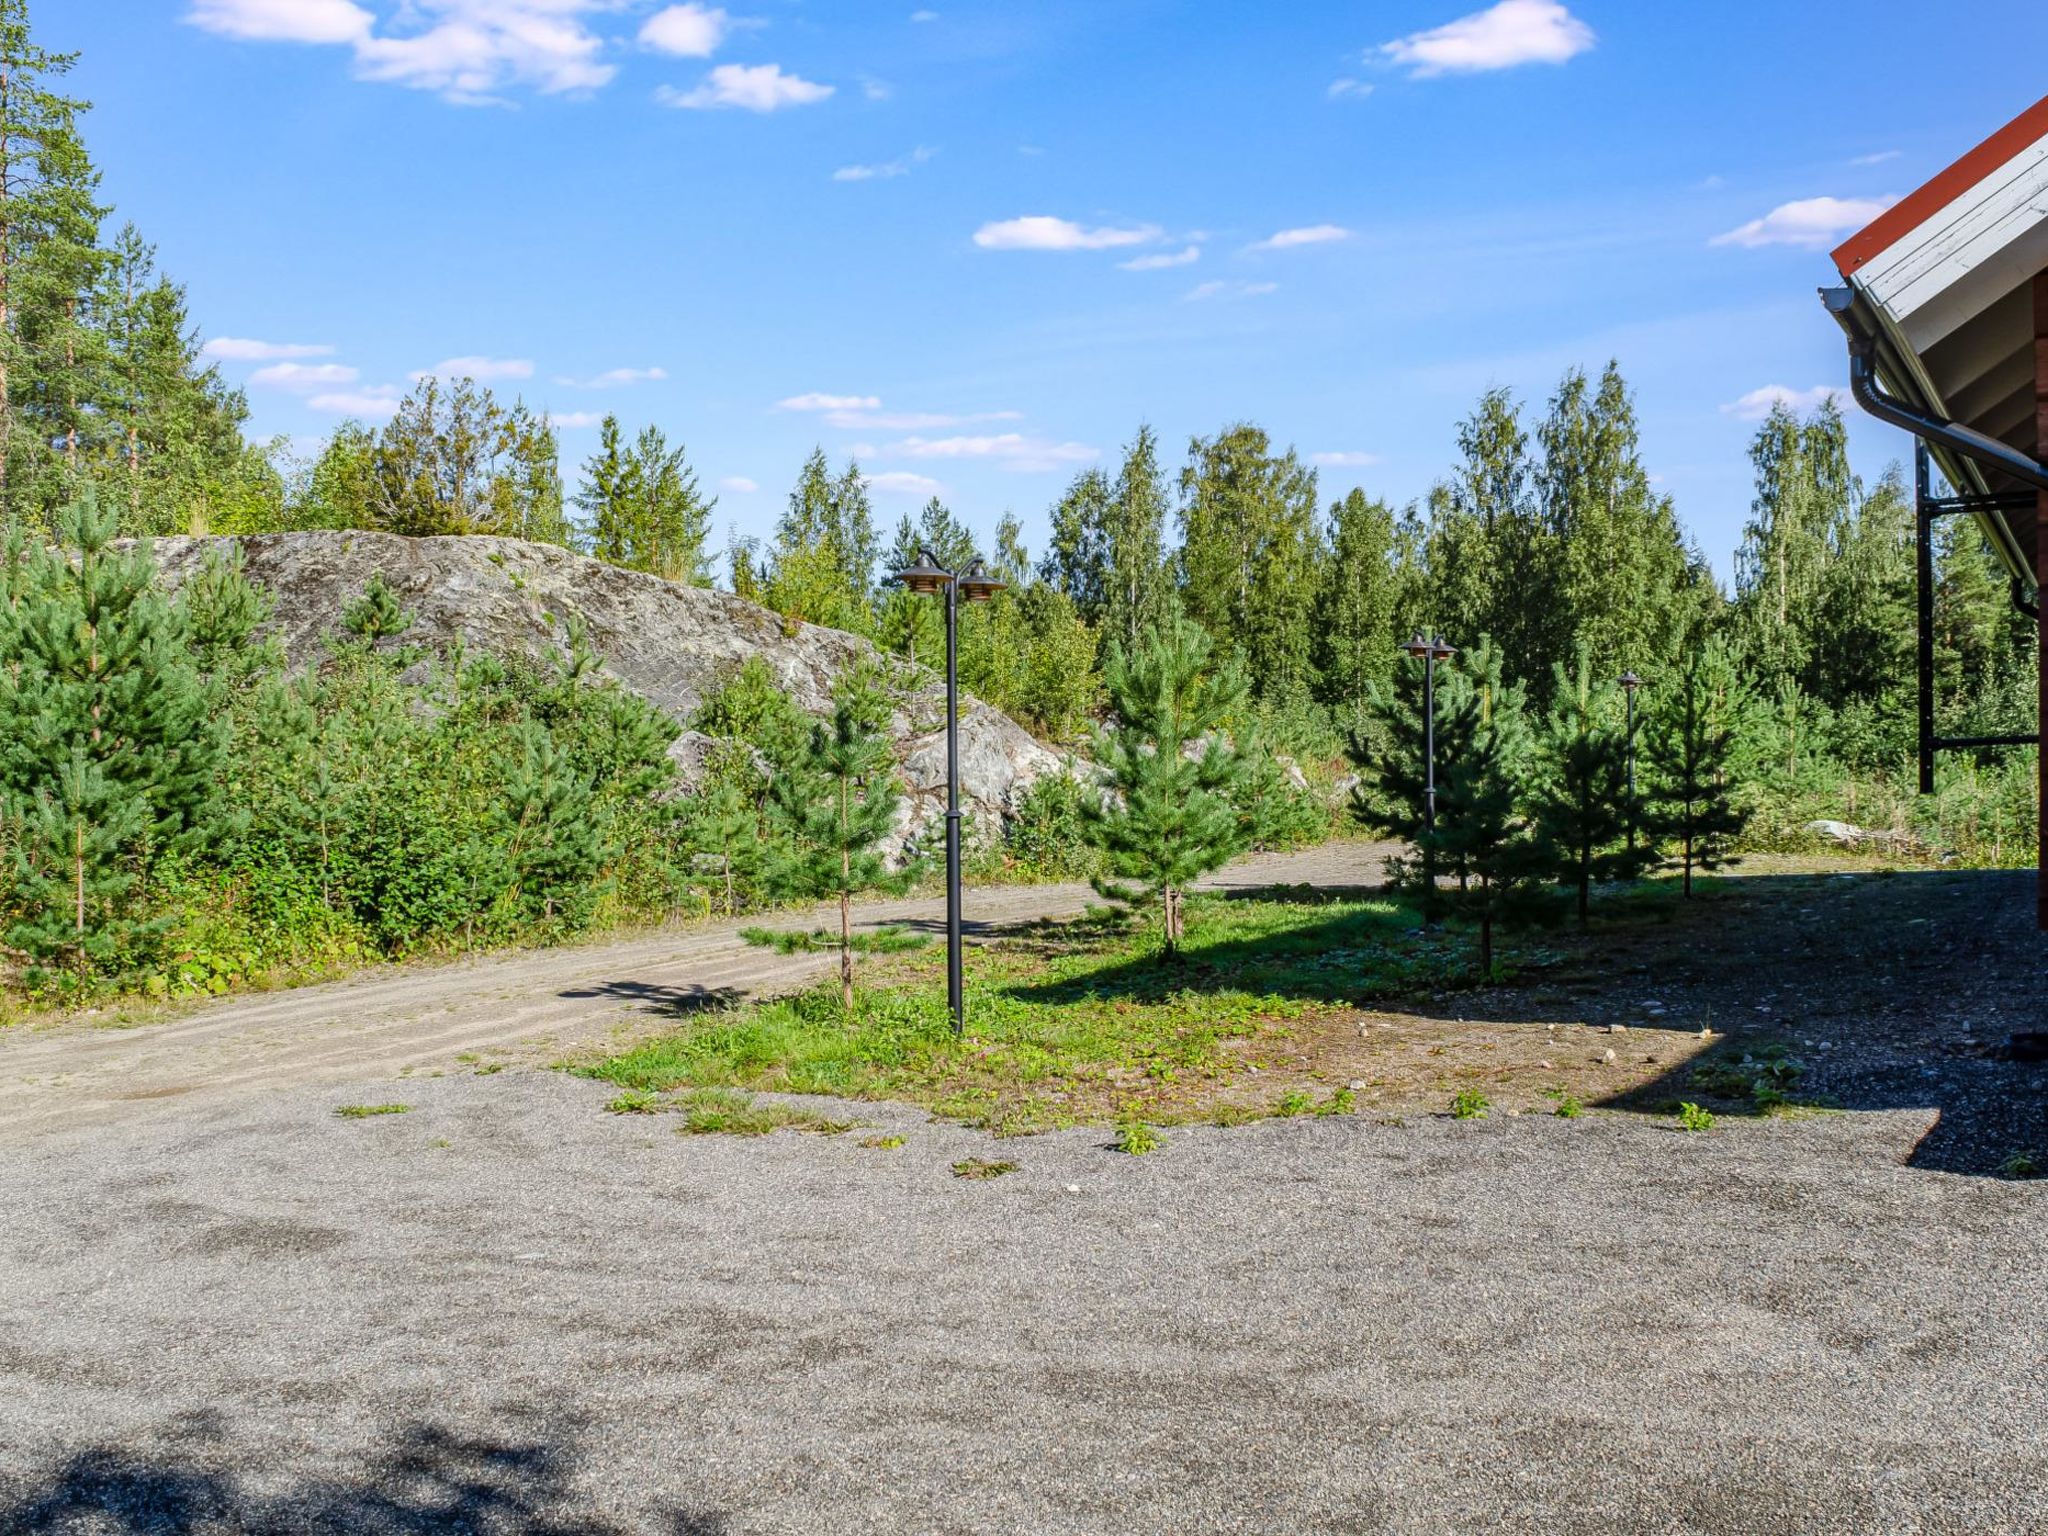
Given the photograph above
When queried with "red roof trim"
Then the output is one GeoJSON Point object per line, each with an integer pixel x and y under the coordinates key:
{"type": "Point", "coordinates": [2028, 128]}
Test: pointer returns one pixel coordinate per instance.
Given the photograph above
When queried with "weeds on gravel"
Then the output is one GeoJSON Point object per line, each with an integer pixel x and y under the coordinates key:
{"type": "Point", "coordinates": [721, 1112]}
{"type": "Point", "coordinates": [1069, 1023]}
{"type": "Point", "coordinates": [1138, 1138]}
{"type": "Point", "coordinates": [1765, 1077]}
{"type": "Point", "coordinates": [2021, 1165]}
{"type": "Point", "coordinates": [1568, 1107]}
{"type": "Point", "coordinates": [981, 1168]}
{"type": "Point", "coordinates": [1693, 1118]}
{"type": "Point", "coordinates": [365, 1111]}
{"type": "Point", "coordinates": [1469, 1104]}
{"type": "Point", "coordinates": [882, 1143]}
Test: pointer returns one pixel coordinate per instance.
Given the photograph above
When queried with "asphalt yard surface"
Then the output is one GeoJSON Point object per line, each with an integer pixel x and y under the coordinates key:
{"type": "Point", "coordinates": [504, 1310]}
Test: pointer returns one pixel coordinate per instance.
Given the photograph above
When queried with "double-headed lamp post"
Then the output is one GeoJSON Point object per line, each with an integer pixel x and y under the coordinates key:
{"type": "Point", "coordinates": [971, 583]}
{"type": "Point", "coordinates": [1629, 684]}
{"type": "Point", "coordinates": [1431, 651]}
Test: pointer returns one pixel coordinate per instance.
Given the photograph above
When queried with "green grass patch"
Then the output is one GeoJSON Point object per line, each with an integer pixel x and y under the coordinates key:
{"type": "Point", "coordinates": [795, 941]}
{"type": "Point", "coordinates": [722, 1112]}
{"type": "Point", "coordinates": [366, 1111]}
{"type": "Point", "coordinates": [1069, 1023]}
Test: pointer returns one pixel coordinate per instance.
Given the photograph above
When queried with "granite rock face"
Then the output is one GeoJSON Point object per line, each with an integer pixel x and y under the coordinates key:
{"type": "Point", "coordinates": [671, 644]}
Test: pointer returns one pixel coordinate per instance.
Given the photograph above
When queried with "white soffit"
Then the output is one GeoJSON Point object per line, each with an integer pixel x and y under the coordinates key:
{"type": "Point", "coordinates": [1967, 255]}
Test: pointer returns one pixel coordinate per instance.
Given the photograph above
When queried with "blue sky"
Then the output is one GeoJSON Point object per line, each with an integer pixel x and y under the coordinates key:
{"type": "Point", "coordinates": [978, 243]}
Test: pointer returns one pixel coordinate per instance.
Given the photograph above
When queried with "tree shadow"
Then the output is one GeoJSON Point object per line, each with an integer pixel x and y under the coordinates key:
{"type": "Point", "coordinates": [425, 1480]}
{"type": "Point", "coordinates": [1875, 990]}
{"type": "Point", "coordinates": [668, 1002]}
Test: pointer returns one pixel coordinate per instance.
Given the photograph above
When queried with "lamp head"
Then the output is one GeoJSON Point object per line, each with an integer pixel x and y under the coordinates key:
{"type": "Point", "coordinates": [926, 577]}
{"type": "Point", "coordinates": [976, 585]}
{"type": "Point", "coordinates": [1630, 681]}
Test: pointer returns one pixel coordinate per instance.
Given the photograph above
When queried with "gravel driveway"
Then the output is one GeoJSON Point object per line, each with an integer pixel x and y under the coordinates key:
{"type": "Point", "coordinates": [230, 1311]}
{"type": "Point", "coordinates": [509, 1311]}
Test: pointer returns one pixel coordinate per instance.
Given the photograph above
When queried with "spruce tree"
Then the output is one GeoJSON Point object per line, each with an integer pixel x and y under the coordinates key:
{"type": "Point", "coordinates": [1355, 613]}
{"type": "Point", "coordinates": [724, 820]}
{"type": "Point", "coordinates": [833, 802]}
{"type": "Point", "coordinates": [1579, 791]}
{"type": "Point", "coordinates": [1692, 748]}
{"type": "Point", "coordinates": [1169, 815]}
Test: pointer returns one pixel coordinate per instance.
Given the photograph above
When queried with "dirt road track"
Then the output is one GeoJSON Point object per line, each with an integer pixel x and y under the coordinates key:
{"type": "Point", "coordinates": [388, 1020]}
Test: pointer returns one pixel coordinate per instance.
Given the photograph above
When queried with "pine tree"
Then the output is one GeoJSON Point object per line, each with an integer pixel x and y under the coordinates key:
{"type": "Point", "coordinates": [49, 222]}
{"type": "Point", "coordinates": [377, 615]}
{"type": "Point", "coordinates": [608, 494]}
{"type": "Point", "coordinates": [1483, 838]}
{"type": "Point", "coordinates": [724, 820]}
{"type": "Point", "coordinates": [834, 802]}
{"type": "Point", "coordinates": [1389, 751]}
{"type": "Point", "coordinates": [1170, 816]}
{"type": "Point", "coordinates": [1692, 747]}
{"type": "Point", "coordinates": [1579, 804]}
{"type": "Point", "coordinates": [553, 845]}
{"type": "Point", "coordinates": [111, 742]}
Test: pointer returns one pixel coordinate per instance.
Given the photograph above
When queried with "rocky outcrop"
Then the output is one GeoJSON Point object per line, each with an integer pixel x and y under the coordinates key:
{"type": "Point", "coordinates": [672, 644]}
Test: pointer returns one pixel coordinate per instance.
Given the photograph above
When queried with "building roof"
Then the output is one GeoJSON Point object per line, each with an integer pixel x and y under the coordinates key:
{"type": "Point", "coordinates": [1942, 282]}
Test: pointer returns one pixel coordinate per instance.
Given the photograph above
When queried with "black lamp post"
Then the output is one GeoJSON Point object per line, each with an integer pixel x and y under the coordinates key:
{"type": "Point", "coordinates": [1431, 651]}
{"type": "Point", "coordinates": [927, 578]}
{"type": "Point", "coordinates": [1629, 684]}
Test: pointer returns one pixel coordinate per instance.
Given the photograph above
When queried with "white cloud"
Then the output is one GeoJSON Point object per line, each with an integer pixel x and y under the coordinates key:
{"type": "Point", "coordinates": [283, 21]}
{"type": "Point", "coordinates": [924, 15]}
{"type": "Point", "coordinates": [1220, 289]}
{"type": "Point", "coordinates": [1313, 234]}
{"type": "Point", "coordinates": [1163, 259]}
{"type": "Point", "coordinates": [1500, 37]}
{"type": "Point", "coordinates": [1344, 459]}
{"type": "Point", "coordinates": [876, 90]}
{"type": "Point", "coordinates": [484, 370]}
{"type": "Point", "coordinates": [750, 87]}
{"type": "Point", "coordinates": [740, 484]}
{"type": "Point", "coordinates": [374, 403]}
{"type": "Point", "coordinates": [1340, 89]}
{"type": "Point", "coordinates": [686, 31]}
{"type": "Point", "coordinates": [467, 50]}
{"type": "Point", "coordinates": [904, 483]}
{"type": "Point", "coordinates": [1759, 403]}
{"type": "Point", "coordinates": [1813, 223]}
{"type": "Point", "coordinates": [241, 349]}
{"type": "Point", "coordinates": [303, 377]}
{"type": "Point", "coordinates": [1040, 232]}
{"type": "Point", "coordinates": [613, 378]}
{"type": "Point", "coordinates": [1880, 158]}
{"type": "Point", "coordinates": [818, 402]}
{"type": "Point", "coordinates": [1013, 450]}
{"type": "Point", "coordinates": [887, 168]}
{"type": "Point", "coordinates": [574, 421]}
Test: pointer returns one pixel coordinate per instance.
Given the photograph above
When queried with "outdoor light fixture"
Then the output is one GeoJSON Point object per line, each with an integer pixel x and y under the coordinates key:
{"type": "Point", "coordinates": [1629, 684]}
{"type": "Point", "coordinates": [927, 578]}
{"type": "Point", "coordinates": [1429, 652]}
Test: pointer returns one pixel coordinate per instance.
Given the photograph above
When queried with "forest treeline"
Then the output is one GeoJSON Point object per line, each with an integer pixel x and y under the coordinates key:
{"type": "Point", "coordinates": [1548, 537]}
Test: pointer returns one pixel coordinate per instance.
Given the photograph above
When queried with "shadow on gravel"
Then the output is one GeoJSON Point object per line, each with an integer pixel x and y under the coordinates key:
{"type": "Point", "coordinates": [425, 1482]}
{"type": "Point", "coordinates": [669, 1002]}
{"type": "Point", "coordinates": [1858, 991]}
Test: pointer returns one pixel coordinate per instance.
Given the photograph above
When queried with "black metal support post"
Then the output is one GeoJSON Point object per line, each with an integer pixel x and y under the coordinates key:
{"type": "Point", "coordinates": [1429, 749]}
{"type": "Point", "coordinates": [956, 986]}
{"type": "Point", "coordinates": [972, 584]}
{"type": "Point", "coordinates": [1923, 523]}
{"type": "Point", "coordinates": [1631, 770]}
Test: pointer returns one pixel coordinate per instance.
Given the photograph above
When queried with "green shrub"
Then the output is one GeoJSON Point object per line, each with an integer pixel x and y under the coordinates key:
{"type": "Point", "coordinates": [1693, 1118]}
{"type": "Point", "coordinates": [1138, 1138]}
{"type": "Point", "coordinates": [1469, 1104]}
